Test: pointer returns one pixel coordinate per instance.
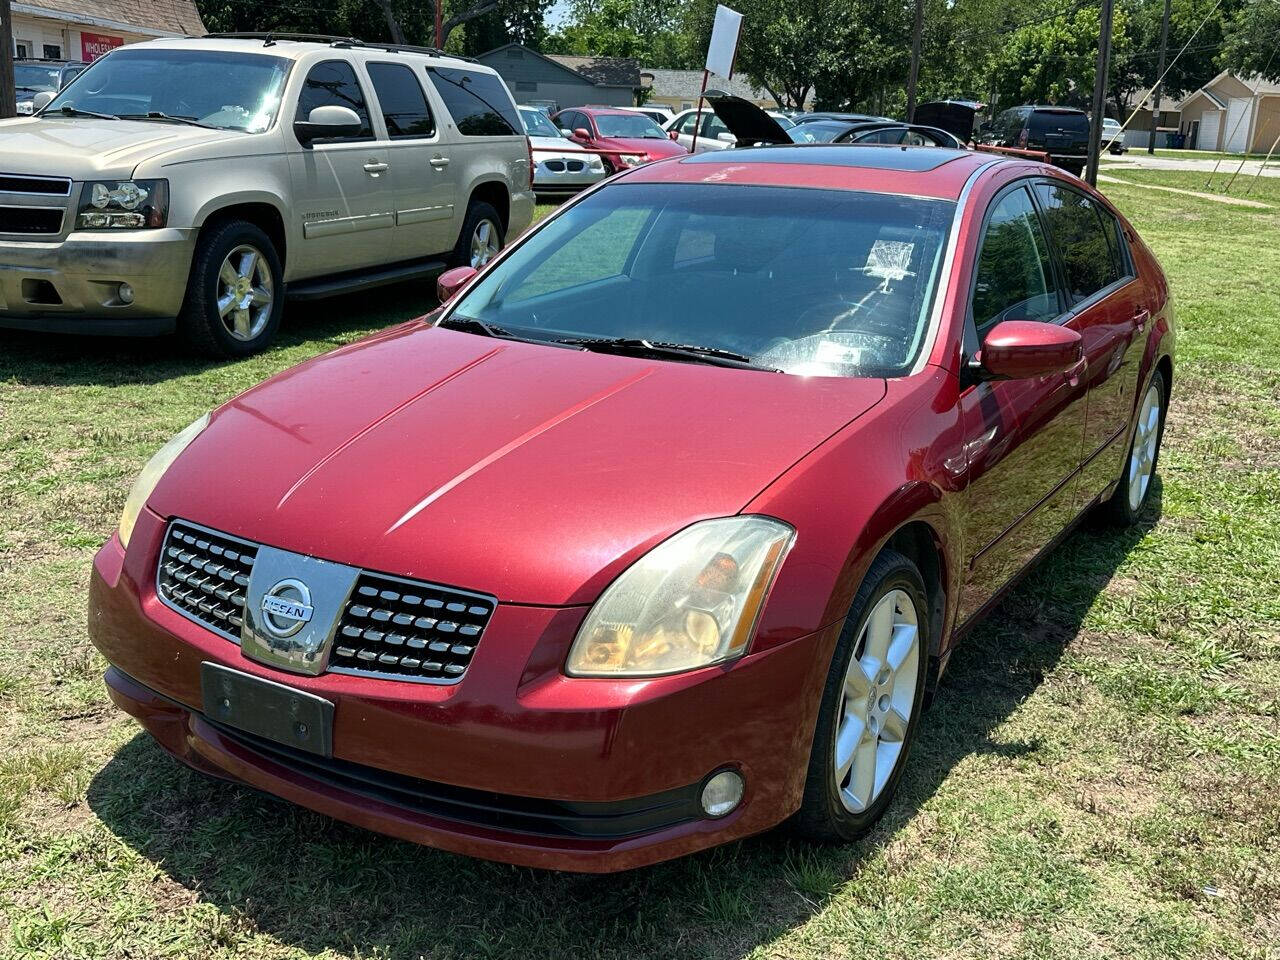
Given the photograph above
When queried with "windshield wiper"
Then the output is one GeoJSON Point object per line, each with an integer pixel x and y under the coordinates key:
{"type": "Point", "coordinates": [71, 110]}
{"type": "Point", "coordinates": [672, 351]}
{"type": "Point", "coordinates": [170, 118]}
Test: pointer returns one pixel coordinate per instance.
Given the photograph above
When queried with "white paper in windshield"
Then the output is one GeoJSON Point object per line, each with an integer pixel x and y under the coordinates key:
{"type": "Point", "coordinates": [890, 259]}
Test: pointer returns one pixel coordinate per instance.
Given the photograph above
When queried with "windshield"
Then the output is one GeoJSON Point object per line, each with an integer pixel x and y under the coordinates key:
{"type": "Point", "coordinates": [811, 282]}
{"type": "Point", "coordinates": [817, 131]}
{"type": "Point", "coordinates": [538, 124]}
{"type": "Point", "coordinates": [632, 125]}
{"type": "Point", "coordinates": [785, 122]}
{"type": "Point", "coordinates": [233, 91]}
{"type": "Point", "coordinates": [33, 78]}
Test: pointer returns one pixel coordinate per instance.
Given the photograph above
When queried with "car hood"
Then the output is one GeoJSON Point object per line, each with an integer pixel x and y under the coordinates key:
{"type": "Point", "coordinates": [534, 473]}
{"type": "Point", "coordinates": [84, 148]}
{"type": "Point", "coordinates": [648, 145]}
{"type": "Point", "coordinates": [556, 145]}
{"type": "Point", "coordinates": [745, 120]}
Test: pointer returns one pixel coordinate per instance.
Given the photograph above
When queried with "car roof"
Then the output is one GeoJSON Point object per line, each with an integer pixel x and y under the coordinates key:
{"type": "Point", "coordinates": [295, 48]}
{"type": "Point", "coordinates": [917, 171]}
{"type": "Point", "coordinates": [600, 111]}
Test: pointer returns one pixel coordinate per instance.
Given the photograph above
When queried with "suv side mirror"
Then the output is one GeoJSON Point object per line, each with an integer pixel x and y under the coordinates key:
{"type": "Point", "coordinates": [327, 121]}
{"type": "Point", "coordinates": [1023, 349]}
{"type": "Point", "coordinates": [40, 101]}
{"type": "Point", "coordinates": [451, 281]}
{"type": "Point", "coordinates": [582, 134]}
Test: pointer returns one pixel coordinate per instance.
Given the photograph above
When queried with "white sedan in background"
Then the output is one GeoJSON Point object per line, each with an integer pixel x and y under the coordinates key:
{"type": "Point", "coordinates": [560, 166]}
{"type": "Point", "coordinates": [713, 135]}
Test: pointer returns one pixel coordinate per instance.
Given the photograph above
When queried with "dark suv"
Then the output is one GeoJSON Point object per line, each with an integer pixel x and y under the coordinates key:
{"type": "Point", "coordinates": [1061, 132]}
{"type": "Point", "coordinates": [35, 76]}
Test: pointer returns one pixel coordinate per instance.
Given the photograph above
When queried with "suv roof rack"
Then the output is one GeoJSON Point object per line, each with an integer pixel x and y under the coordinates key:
{"type": "Point", "coordinates": [270, 38]}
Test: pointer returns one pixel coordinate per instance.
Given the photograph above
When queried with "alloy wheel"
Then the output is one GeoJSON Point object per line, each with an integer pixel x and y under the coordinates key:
{"type": "Point", "coordinates": [878, 698]}
{"type": "Point", "coordinates": [484, 243]}
{"type": "Point", "coordinates": [1146, 442]}
{"type": "Point", "coordinates": [246, 292]}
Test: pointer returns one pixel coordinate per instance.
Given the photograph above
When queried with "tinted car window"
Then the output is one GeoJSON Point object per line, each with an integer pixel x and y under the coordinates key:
{"type": "Point", "coordinates": [1051, 121]}
{"type": "Point", "coordinates": [333, 83]}
{"type": "Point", "coordinates": [1014, 276]}
{"type": "Point", "coordinates": [478, 102]}
{"type": "Point", "coordinates": [812, 282]}
{"type": "Point", "coordinates": [404, 106]}
{"type": "Point", "coordinates": [1079, 232]}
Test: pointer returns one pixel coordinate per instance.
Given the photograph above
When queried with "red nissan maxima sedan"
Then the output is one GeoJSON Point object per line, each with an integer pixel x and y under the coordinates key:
{"type": "Point", "coordinates": [626, 139]}
{"type": "Point", "coordinates": [662, 529]}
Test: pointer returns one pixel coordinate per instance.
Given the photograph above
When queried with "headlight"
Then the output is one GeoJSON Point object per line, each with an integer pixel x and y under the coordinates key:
{"type": "Point", "coordinates": [595, 164]}
{"type": "Point", "coordinates": [123, 204]}
{"type": "Point", "coordinates": [25, 108]}
{"type": "Point", "coordinates": [152, 473]}
{"type": "Point", "coordinates": [632, 160]}
{"type": "Point", "coordinates": [691, 601]}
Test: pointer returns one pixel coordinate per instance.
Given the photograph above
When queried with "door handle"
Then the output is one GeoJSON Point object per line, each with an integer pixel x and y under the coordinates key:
{"type": "Point", "coordinates": [1076, 372]}
{"type": "Point", "coordinates": [375, 167]}
{"type": "Point", "coordinates": [439, 162]}
{"type": "Point", "coordinates": [1140, 319]}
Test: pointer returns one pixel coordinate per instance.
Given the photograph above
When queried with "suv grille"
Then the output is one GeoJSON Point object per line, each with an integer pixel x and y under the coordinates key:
{"type": "Point", "coordinates": [390, 627]}
{"type": "Point", "coordinates": [52, 186]}
{"type": "Point", "coordinates": [42, 220]}
{"type": "Point", "coordinates": [204, 575]}
{"type": "Point", "coordinates": [409, 629]}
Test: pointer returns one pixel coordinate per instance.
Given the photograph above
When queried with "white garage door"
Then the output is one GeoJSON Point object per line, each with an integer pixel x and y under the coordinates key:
{"type": "Point", "coordinates": [1239, 113]}
{"type": "Point", "coordinates": [1208, 136]}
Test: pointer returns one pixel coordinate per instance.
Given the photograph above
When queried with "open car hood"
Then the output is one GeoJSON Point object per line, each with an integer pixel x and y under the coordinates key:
{"type": "Point", "coordinates": [953, 116]}
{"type": "Point", "coordinates": [745, 120]}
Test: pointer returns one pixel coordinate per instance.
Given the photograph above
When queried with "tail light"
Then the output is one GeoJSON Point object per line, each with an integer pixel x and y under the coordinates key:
{"type": "Point", "coordinates": [1022, 138]}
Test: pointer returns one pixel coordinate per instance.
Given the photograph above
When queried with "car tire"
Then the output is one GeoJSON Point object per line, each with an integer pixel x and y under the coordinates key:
{"type": "Point", "coordinates": [1134, 489]}
{"type": "Point", "coordinates": [869, 714]}
{"type": "Point", "coordinates": [235, 292]}
{"type": "Point", "coordinates": [482, 236]}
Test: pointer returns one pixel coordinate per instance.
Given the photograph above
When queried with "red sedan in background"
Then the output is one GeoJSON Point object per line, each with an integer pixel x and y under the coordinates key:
{"type": "Point", "coordinates": [660, 532]}
{"type": "Point", "coordinates": [635, 137]}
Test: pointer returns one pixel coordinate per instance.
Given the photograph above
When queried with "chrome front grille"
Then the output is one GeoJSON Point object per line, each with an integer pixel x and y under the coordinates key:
{"type": "Point", "coordinates": [390, 627]}
{"type": "Point", "coordinates": [40, 221]}
{"type": "Point", "coordinates": [205, 575]}
{"type": "Point", "coordinates": [575, 166]}
{"type": "Point", "coordinates": [409, 629]}
{"type": "Point", "coordinates": [47, 186]}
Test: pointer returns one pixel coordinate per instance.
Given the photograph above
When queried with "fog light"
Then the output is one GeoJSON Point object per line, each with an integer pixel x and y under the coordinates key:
{"type": "Point", "coordinates": [722, 793]}
{"type": "Point", "coordinates": [125, 293]}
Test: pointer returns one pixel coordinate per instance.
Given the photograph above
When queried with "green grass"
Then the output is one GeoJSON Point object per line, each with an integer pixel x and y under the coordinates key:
{"type": "Point", "coordinates": [1265, 189]}
{"type": "Point", "coordinates": [1099, 776]}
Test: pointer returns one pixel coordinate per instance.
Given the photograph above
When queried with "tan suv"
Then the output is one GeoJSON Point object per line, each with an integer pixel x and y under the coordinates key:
{"type": "Point", "coordinates": [185, 184]}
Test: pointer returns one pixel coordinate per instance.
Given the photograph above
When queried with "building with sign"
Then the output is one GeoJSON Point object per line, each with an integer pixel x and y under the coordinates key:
{"type": "Point", "coordinates": [85, 29]}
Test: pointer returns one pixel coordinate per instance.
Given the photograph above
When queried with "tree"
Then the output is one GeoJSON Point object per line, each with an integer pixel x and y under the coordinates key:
{"type": "Point", "coordinates": [652, 31]}
{"type": "Point", "coordinates": [1251, 40]}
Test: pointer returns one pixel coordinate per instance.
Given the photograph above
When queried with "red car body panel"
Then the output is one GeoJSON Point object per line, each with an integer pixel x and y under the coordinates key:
{"type": "Point", "coordinates": [538, 475]}
{"type": "Point", "coordinates": [651, 148]}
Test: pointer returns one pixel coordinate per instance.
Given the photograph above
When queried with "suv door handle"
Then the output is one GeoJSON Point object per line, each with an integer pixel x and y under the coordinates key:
{"type": "Point", "coordinates": [1140, 319]}
{"type": "Point", "coordinates": [375, 167]}
{"type": "Point", "coordinates": [439, 162]}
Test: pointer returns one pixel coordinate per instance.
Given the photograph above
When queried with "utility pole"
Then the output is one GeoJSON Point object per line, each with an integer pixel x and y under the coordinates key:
{"type": "Point", "coordinates": [8, 95]}
{"type": "Point", "coordinates": [1099, 91]}
{"type": "Point", "coordinates": [916, 30]}
{"type": "Point", "coordinates": [1155, 94]}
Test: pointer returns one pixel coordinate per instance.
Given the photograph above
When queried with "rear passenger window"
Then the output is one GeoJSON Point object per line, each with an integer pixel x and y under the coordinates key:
{"type": "Point", "coordinates": [1080, 228]}
{"type": "Point", "coordinates": [1014, 277]}
{"type": "Point", "coordinates": [333, 84]}
{"type": "Point", "coordinates": [404, 106]}
{"type": "Point", "coordinates": [478, 102]}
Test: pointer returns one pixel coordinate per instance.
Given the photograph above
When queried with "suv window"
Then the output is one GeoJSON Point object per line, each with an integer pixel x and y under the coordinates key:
{"type": "Point", "coordinates": [479, 102]}
{"type": "Point", "coordinates": [1014, 277]}
{"type": "Point", "coordinates": [1079, 229]}
{"type": "Point", "coordinates": [333, 84]}
{"type": "Point", "coordinates": [404, 106]}
{"type": "Point", "coordinates": [1053, 121]}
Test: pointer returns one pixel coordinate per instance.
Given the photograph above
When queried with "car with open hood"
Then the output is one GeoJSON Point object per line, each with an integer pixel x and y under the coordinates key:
{"type": "Point", "coordinates": [662, 529]}
{"type": "Point", "coordinates": [741, 123]}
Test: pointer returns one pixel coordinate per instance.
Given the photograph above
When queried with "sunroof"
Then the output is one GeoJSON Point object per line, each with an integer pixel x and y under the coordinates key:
{"type": "Point", "coordinates": [910, 159]}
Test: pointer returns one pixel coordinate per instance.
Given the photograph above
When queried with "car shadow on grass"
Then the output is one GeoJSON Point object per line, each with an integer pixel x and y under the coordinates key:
{"type": "Point", "coordinates": [317, 884]}
{"type": "Point", "coordinates": [50, 359]}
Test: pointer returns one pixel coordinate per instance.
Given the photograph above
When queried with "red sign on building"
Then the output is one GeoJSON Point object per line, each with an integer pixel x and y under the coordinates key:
{"type": "Point", "coordinates": [94, 45]}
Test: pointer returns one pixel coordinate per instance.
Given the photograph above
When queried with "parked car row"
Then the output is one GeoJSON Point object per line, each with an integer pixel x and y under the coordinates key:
{"type": "Point", "coordinates": [31, 77]}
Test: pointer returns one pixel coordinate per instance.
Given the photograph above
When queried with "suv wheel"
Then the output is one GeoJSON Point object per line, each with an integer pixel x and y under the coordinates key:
{"type": "Point", "coordinates": [234, 294]}
{"type": "Point", "coordinates": [482, 236]}
{"type": "Point", "coordinates": [870, 706]}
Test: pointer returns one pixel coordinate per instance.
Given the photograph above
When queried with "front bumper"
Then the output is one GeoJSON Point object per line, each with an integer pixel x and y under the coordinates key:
{"type": "Point", "coordinates": [550, 178]}
{"type": "Point", "coordinates": [515, 736]}
{"type": "Point", "coordinates": [72, 285]}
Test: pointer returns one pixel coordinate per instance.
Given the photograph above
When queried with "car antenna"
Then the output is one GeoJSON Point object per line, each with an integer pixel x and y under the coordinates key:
{"type": "Point", "coordinates": [268, 41]}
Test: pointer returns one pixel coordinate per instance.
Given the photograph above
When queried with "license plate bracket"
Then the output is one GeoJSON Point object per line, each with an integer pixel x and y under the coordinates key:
{"type": "Point", "coordinates": [267, 709]}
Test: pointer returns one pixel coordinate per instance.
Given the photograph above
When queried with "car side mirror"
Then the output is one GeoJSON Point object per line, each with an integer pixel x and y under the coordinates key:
{"type": "Point", "coordinates": [40, 101]}
{"type": "Point", "coordinates": [451, 281]}
{"type": "Point", "coordinates": [1023, 349]}
{"type": "Point", "coordinates": [327, 121]}
{"type": "Point", "coordinates": [582, 135]}
{"type": "Point", "coordinates": [567, 133]}
{"type": "Point", "coordinates": [673, 135]}
{"type": "Point", "coordinates": [726, 138]}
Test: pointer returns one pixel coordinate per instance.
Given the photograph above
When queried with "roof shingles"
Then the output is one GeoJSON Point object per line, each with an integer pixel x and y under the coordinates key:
{"type": "Point", "coordinates": [165, 16]}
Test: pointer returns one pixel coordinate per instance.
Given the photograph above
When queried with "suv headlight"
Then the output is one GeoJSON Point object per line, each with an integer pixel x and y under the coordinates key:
{"type": "Point", "coordinates": [123, 204]}
{"type": "Point", "coordinates": [691, 601]}
{"type": "Point", "coordinates": [151, 474]}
